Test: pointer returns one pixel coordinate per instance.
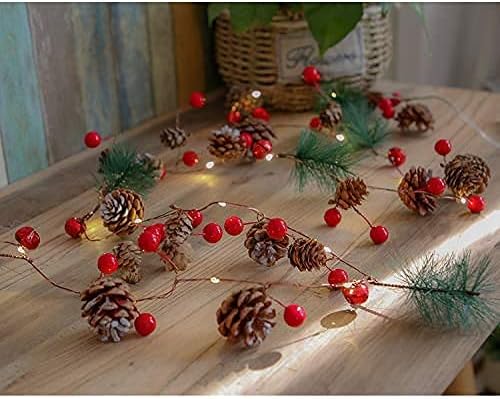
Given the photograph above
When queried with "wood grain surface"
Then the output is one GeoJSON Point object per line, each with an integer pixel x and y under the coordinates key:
{"type": "Point", "coordinates": [46, 347]}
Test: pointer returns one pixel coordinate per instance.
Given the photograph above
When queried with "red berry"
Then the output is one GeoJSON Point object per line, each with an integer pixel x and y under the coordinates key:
{"type": "Point", "coordinates": [379, 234]}
{"type": "Point", "coordinates": [315, 123]}
{"type": "Point", "coordinates": [356, 294]}
{"type": "Point", "coordinates": [294, 315]}
{"type": "Point", "coordinates": [163, 172]}
{"type": "Point", "coordinates": [197, 99]}
{"type": "Point", "coordinates": [196, 217]}
{"type": "Point", "coordinates": [311, 75]}
{"type": "Point", "coordinates": [384, 103]}
{"type": "Point", "coordinates": [337, 277]}
{"type": "Point", "coordinates": [28, 237]}
{"type": "Point", "coordinates": [107, 263]}
{"type": "Point", "coordinates": [332, 217]}
{"type": "Point", "coordinates": [261, 113]}
{"type": "Point", "coordinates": [276, 229]}
{"type": "Point", "coordinates": [74, 227]}
{"type": "Point", "coordinates": [388, 113]}
{"type": "Point", "coordinates": [92, 139]}
{"type": "Point", "coordinates": [145, 324]}
{"type": "Point", "coordinates": [157, 229]}
{"type": "Point", "coordinates": [233, 117]}
{"type": "Point", "coordinates": [246, 139]}
{"type": "Point", "coordinates": [476, 203]}
{"type": "Point", "coordinates": [190, 158]}
{"type": "Point", "coordinates": [266, 144]}
{"type": "Point", "coordinates": [261, 148]}
{"type": "Point", "coordinates": [436, 186]}
{"type": "Point", "coordinates": [148, 241]}
{"type": "Point", "coordinates": [396, 99]}
{"type": "Point", "coordinates": [212, 233]}
{"type": "Point", "coordinates": [442, 147]}
{"type": "Point", "coordinates": [233, 225]}
{"type": "Point", "coordinates": [396, 156]}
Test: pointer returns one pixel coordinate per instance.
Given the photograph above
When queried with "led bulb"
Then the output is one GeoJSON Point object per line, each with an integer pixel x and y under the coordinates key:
{"type": "Point", "coordinates": [214, 280]}
{"type": "Point", "coordinates": [328, 250]}
{"type": "Point", "coordinates": [138, 221]}
{"type": "Point", "coordinates": [333, 94]}
{"type": "Point", "coordinates": [210, 164]}
{"type": "Point", "coordinates": [340, 137]}
{"type": "Point", "coordinates": [463, 200]}
{"type": "Point", "coordinates": [256, 94]}
{"type": "Point", "coordinates": [222, 204]}
{"type": "Point", "coordinates": [269, 157]}
{"type": "Point", "coordinates": [21, 250]}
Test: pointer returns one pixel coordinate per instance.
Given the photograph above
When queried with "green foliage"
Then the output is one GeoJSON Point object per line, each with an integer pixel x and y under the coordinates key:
{"type": "Point", "coordinates": [451, 291]}
{"type": "Point", "coordinates": [329, 23]}
{"type": "Point", "coordinates": [121, 168]}
{"type": "Point", "coordinates": [320, 160]}
{"type": "Point", "coordinates": [492, 346]}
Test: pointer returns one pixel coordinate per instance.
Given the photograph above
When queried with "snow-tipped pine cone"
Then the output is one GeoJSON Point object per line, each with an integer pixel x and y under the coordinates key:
{"type": "Point", "coordinates": [331, 116]}
{"type": "Point", "coordinates": [173, 137]}
{"type": "Point", "coordinates": [415, 116]}
{"type": "Point", "coordinates": [262, 248]}
{"type": "Point", "coordinates": [121, 211]}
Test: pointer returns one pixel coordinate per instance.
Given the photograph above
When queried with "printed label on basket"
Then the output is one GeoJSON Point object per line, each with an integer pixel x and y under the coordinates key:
{"type": "Point", "coordinates": [296, 50]}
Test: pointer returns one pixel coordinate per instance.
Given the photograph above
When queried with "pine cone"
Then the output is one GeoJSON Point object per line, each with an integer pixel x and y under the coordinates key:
{"type": "Point", "coordinates": [331, 116]}
{"type": "Point", "coordinates": [259, 129]}
{"type": "Point", "coordinates": [350, 192]}
{"type": "Point", "coordinates": [226, 146]}
{"type": "Point", "coordinates": [121, 211]}
{"type": "Point", "coordinates": [178, 227]}
{"type": "Point", "coordinates": [173, 137]}
{"type": "Point", "coordinates": [416, 180]}
{"type": "Point", "coordinates": [246, 316]}
{"type": "Point", "coordinates": [467, 174]}
{"type": "Point", "coordinates": [109, 308]}
{"type": "Point", "coordinates": [179, 255]}
{"type": "Point", "coordinates": [156, 164]}
{"type": "Point", "coordinates": [307, 255]}
{"type": "Point", "coordinates": [129, 258]}
{"type": "Point", "coordinates": [263, 249]}
{"type": "Point", "coordinates": [415, 114]}
{"type": "Point", "coordinates": [243, 99]}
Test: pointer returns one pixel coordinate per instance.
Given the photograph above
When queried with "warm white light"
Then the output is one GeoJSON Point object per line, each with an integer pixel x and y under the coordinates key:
{"type": "Point", "coordinates": [137, 221]}
{"type": "Point", "coordinates": [210, 164]}
{"type": "Point", "coordinates": [328, 250]}
{"type": "Point", "coordinates": [463, 200]}
{"type": "Point", "coordinates": [340, 137]}
{"type": "Point", "coordinates": [333, 94]}
{"type": "Point", "coordinates": [256, 94]}
{"type": "Point", "coordinates": [269, 157]}
{"type": "Point", "coordinates": [214, 280]}
{"type": "Point", "coordinates": [222, 204]}
{"type": "Point", "coordinates": [21, 249]}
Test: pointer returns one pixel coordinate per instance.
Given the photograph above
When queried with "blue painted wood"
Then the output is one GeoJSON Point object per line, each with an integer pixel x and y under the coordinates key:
{"type": "Point", "coordinates": [130, 38]}
{"type": "Point", "coordinates": [21, 121]}
{"type": "Point", "coordinates": [54, 50]}
{"type": "Point", "coordinates": [96, 66]}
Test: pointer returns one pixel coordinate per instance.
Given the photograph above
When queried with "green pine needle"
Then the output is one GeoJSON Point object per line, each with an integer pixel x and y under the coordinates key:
{"type": "Point", "coordinates": [120, 168]}
{"type": "Point", "coordinates": [320, 160]}
{"type": "Point", "coordinates": [452, 291]}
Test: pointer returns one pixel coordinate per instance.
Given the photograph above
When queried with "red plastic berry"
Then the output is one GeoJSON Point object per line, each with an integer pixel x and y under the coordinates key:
{"type": "Point", "coordinates": [196, 217]}
{"type": "Point", "coordinates": [476, 203]}
{"type": "Point", "coordinates": [261, 148]}
{"type": "Point", "coordinates": [396, 98]}
{"type": "Point", "coordinates": [396, 156]}
{"type": "Point", "coordinates": [28, 237]}
{"type": "Point", "coordinates": [157, 229]}
{"type": "Point", "coordinates": [197, 99]}
{"type": "Point", "coordinates": [261, 113]}
{"type": "Point", "coordinates": [332, 217]}
{"type": "Point", "coordinates": [92, 139]}
{"type": "Point", "coordinates": [337, 277]}
{"type": "Point", "coordinates": [74, 227]}
{"type": "Point", "coordinates": [442, 147]}
{"type": "Point", "coordinates": [233, 117]}
{"type": "Point", "coordinates": [276, 229]}
{"type": "Point", "coordinates": [212, 233]}
{"type": "Point", "coordinates": [246, 139]}
{"type": "Point", "coordinates": [266, 144]}
{"type": "Point", "coordinates": [145, 324]}
{"type": "Point", "coordinates": [107, 263]}
{"type": "Point", "coordinates": [311, 75]}
{"type": "Point", "coordinates": [294, 315]}
{"type": "Point", "coordinates": [315, 123]}
{"type": "Point", "coordinates": [148, 241]}
{"type": "Point", "coordinates": [356, 294]}
{"type": "Point", "coordinates": [233, 225]}
{"type": "Point", "coordinates": [436, 186]}
{"type": "Point", "coordinates": [388, 113]}
{"type": "Point", "coordinates": [385, 103]}
{"type": "Point", "coordinates": [190, 158]}
{"type": "Point", "coordinates": [379, 234]}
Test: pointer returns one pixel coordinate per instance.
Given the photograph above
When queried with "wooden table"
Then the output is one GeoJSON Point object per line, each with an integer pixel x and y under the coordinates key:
{"type": "Point", "coordinates": [46, 347]}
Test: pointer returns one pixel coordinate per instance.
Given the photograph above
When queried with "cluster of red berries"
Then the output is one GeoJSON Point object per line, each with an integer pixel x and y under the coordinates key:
{"type": "Point", "coordinates": [378, 234]}
{"type": "Point", "coordinates": [386, 105]}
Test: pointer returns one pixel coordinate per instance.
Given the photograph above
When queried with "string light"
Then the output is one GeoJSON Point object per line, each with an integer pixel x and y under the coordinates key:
{"type": "Point", "coordinates": [222, 204]}
{"type": "Point", "coordinates": [138, 221]}
{"type": "Point", "coordinates": [210, 164]}
{"type": "Point", "coordinates": [269, 157]}
{"type": "Point", "coordinates": [256, 94]}
{"type": "Point", "coordinates": [340, 137]}
{"type": "Point", "coordinates": [214, 280]}
{"type": "Point", "coordinates": [463, 200]}
{"type": "Point", "coordinates": [328, 250]}
{"type": "Point", "coordinates": [21, 250]}
{"type": "Point", "coordinates": [333, 94]}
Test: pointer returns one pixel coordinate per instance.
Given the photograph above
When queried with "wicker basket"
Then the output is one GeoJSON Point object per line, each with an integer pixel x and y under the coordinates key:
{"type": "Point", "coordinates": [250, 60]}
